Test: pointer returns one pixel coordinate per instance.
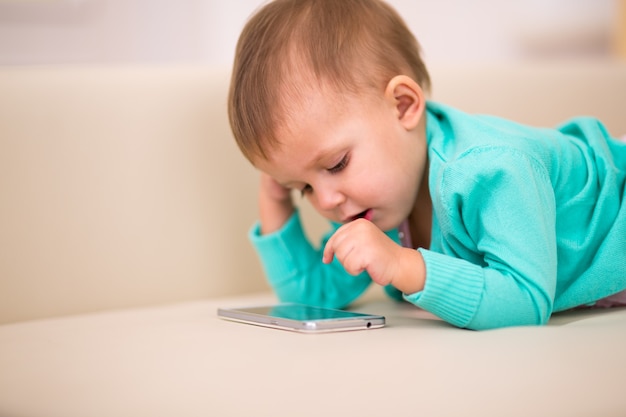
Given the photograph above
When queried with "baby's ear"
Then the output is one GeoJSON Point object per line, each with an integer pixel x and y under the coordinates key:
{"type": "Point", "coordinates": [408, 99]}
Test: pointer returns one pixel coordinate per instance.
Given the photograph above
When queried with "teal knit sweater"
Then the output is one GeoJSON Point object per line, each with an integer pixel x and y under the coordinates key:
{"type": "Point", "coordinates": [526, 221]}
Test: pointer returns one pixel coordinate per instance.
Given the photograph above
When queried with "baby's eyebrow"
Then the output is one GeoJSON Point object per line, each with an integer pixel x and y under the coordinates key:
{"type": "Point", "coordinates": [315, 160]}
{"type": "Point", "coordinates": [321, 156]}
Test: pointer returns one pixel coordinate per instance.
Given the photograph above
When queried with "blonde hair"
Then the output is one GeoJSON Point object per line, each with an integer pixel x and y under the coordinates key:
{"type": "Point", "coordinates": [352, 45]}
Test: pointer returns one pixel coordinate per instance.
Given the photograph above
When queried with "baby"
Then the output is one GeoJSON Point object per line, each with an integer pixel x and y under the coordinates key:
{"type": "Point", "coordinates": [482, 221]}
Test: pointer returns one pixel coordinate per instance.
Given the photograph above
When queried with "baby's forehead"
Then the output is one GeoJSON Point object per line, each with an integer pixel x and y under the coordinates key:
{"type": "Point", "coordinates": [311, 101]}
{"type": "Point", "coordinates": [308, 126]}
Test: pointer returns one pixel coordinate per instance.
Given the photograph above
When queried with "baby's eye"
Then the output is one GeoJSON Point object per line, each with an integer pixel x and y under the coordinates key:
{"type": "Point", "coordinates": [306, 190]}
{"type": "Point", "coordinates": [340, 166]}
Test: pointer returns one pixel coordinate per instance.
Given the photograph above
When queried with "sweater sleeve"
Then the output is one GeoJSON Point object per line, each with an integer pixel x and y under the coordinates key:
{"type": "Point", "coordinates": [497, 265]}
{"type": "Point", "coordinates": [295, 270]}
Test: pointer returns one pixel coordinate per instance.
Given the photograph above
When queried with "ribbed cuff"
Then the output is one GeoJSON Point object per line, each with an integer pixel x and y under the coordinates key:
{"type": "Point", "coordinates": [282, 259]}
{"type": "Point", "coordinates": [453, 288]}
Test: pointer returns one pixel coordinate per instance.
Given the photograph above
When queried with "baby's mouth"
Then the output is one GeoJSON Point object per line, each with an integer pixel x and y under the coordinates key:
{"type": "Point", "coordinates": [366, 214]}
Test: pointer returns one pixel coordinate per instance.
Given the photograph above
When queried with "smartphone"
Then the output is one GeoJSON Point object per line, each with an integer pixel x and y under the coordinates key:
{"type": "Point", "coordinates": [302, 318]}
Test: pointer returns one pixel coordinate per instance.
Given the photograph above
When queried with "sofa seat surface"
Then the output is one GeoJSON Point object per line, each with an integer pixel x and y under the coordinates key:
{"type": "Point", "coordinates": [182, 360]}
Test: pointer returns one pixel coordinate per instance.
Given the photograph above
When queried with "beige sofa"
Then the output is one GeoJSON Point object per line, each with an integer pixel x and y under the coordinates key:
{"type": "Point", "coordinates": [121, 187]}
{"type": "Point", "coordinates": [124, 208]}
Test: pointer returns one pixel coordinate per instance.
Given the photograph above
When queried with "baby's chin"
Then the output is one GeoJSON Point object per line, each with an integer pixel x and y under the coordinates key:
{"type": "Point", "coordinates": [388, 224]}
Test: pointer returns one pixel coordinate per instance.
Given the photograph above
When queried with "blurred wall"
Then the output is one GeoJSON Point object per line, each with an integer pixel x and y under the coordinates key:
{"type": "Point", "coordinates": [205, 31]}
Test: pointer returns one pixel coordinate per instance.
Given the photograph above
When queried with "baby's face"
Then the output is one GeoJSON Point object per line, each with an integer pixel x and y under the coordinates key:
{"type": "Point", "coordinates": [351, 158]}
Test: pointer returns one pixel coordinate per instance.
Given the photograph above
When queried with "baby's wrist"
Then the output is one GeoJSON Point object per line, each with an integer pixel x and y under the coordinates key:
{"type": "Point", "coordinates": [412, 272]}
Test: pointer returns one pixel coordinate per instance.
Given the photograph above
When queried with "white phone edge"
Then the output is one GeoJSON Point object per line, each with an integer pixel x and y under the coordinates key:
{"type": "Point", "coordinates": [361, 322]}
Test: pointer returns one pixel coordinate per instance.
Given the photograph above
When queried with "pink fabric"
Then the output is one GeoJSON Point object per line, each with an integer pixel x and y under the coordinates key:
{"type": "Point", "coordinates": [615, 300]}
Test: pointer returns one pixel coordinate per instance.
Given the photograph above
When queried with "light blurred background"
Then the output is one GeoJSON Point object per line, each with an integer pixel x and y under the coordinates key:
{"type": "Point", "coordinates": [41, 32]}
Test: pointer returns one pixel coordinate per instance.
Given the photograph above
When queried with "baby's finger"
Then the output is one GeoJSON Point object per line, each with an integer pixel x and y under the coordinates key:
{"type": "Point", "coordinates": [329, 252]}
{"type": "Point", "coordinates": [332, 244]}
{"type": "Point", "coordinates": [335, 242]}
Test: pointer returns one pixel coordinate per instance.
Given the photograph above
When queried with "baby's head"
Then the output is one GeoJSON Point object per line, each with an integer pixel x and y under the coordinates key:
{"type": "Point", "coordinates": [353, 47]}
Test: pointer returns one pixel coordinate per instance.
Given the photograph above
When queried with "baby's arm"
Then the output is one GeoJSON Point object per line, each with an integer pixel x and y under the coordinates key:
{"type": "Point", "coordinates": [497, 260]}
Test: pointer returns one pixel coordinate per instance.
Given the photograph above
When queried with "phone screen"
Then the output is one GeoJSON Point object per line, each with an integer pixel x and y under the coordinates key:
{"type": "Point", "coordinates": [302, 312]}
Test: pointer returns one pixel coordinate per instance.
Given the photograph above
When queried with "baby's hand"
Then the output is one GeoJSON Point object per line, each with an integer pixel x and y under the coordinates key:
{"type": "Point", "coordinates": [361, 246]}
{"type": "Point", "coordinates": [272, 189]}
{"type": "Point", "coordinates": [275, 205]}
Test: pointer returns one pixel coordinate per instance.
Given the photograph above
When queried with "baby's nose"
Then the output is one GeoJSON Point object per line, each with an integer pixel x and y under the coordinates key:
{"type": "Point", "coordinates": [329, 199]}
